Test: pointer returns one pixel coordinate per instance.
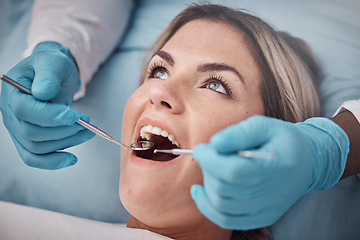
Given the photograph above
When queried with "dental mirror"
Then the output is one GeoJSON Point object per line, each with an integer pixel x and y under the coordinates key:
{"type": "Point", "coordinates": [136, 146]}
{"type": "Point", "coordinates": [141, 145]}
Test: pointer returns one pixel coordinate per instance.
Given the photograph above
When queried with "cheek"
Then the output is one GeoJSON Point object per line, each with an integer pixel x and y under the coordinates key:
{"type": "Point", "coordinates": [132, 112]}
{"type": "Point", "coordinates": [205, 123]}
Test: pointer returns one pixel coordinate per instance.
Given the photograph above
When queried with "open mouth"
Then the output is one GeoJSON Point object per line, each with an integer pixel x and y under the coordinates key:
{"type": "Point", "coordinates": [161, 139]}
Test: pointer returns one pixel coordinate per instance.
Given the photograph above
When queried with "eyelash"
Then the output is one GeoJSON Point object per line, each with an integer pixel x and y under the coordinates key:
{"type": "Point", "coordinates": [154, 67]}
{"type": "Point", "coordinates": [219, 79]}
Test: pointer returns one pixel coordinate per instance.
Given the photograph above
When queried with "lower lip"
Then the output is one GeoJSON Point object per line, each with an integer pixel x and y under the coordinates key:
{"type": "Point", "coordinates": [149, 162]}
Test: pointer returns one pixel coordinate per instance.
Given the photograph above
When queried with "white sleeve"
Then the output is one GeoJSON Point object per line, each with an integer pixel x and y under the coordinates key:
{"type": "Point", "coordinates": [90, 28]}
{"type": "Point", "coordinates": [353, 106]}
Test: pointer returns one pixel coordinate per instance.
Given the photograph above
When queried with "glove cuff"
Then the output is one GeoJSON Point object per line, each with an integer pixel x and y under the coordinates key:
{"type": "Point", "coordinates": [332, 147]}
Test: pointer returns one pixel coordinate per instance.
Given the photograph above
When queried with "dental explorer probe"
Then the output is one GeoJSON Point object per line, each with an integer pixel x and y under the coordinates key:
{"type": "Point", "coordinates": [244, 153]}
{"type": "Point", "coordinates": [137, 146]}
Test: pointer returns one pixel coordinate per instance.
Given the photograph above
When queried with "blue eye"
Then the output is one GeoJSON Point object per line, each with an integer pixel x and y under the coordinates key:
{"type": "Point", "coordinates": [216, 86]}
{"type": "Point", "coordinates": [160, 73]}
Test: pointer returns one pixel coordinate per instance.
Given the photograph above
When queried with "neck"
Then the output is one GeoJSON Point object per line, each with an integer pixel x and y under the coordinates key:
{"type": "Point", "coordinates": [204, 231]}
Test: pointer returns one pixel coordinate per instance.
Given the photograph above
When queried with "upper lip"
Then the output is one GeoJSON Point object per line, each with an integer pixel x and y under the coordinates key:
{"type": "Point", "coordinates": [156, 123]}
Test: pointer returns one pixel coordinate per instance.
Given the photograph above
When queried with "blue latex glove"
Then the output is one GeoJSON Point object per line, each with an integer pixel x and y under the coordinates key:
{"type": "Point", "coordinates": [38, 127]}
{"type": "Point", "coordinates": [244, 193]}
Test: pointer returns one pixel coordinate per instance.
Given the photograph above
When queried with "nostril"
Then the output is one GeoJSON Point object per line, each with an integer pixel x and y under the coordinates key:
{"type": "Point", "coordinates": [166, 104]}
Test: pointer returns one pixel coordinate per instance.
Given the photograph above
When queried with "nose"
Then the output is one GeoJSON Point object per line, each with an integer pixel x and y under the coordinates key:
{"type": "Point", "coordinates": [166, 95]}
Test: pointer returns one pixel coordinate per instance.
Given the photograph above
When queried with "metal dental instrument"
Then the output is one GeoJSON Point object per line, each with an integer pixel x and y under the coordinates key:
{"type": "Point", "coordinates": [245, 153]}
{"type": "Point", "coordinates": [137, 146]}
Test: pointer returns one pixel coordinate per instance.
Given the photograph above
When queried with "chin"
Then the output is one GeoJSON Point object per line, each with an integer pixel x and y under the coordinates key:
{"type": "Point", "coordinates": [161, 215]}
{"type": "Point", "coordinates": [155, 204]}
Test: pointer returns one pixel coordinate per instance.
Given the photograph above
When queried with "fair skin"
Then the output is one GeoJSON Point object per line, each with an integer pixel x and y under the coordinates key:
{"type": "Point", "coordinates": [183, 95]}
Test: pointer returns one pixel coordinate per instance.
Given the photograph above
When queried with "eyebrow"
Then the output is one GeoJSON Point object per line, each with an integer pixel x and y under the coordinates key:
{"type": "Point", "coordinates": [166, 56]}
{"type": "Point", "coordinates": [206, 67]}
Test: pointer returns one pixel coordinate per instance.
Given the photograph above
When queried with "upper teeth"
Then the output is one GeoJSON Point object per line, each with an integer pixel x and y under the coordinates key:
{"type": "Point", "coordinates": [148, 130]}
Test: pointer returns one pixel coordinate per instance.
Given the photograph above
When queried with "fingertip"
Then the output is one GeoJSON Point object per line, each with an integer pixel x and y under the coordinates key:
{"type": "Point", "coordinates": [71, 117]}
{"type": "Point", "coordinates": [198, 195]}
{"type": "Point", "coordinates": [50, 161]}
{"type": "Point", "coordinates": [73, 160]}
{"type": "Point", "coordinates": [201, 151]}
{"type": "Point", "coordinates": [59, 160]}
{"type": "Point", "coordinates": [199, 148]}
{"type": "Point", "coordinates": [194, 191]}
{"type": "Point", "coordinates": [220, 140]}
{"type": "Point", "coordinates": [84, 117]}
{"type": "Point", "coordinates": [203, 204]}
{"type": "Point", "coordinates": [228, 139]}
{"type": "Point", "coordinates": [90, 134]}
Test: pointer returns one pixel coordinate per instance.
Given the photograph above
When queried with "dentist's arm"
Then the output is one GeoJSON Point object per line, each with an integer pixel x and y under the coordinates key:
{"type": "Point", "coordinates": [351, 125]}
{"type": "Point", "coordinates": [243, 193]}
{"type": "Point", "coordinates": [67, 41]}
{"type": "Point", "coordinates": [43, 123]}
{"type": "Point", "coordinates": [91, 29]}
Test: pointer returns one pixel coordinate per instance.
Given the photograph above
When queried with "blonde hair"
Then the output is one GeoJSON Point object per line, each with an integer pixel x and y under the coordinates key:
{"type": "Point", "coordinates": [290, 73]}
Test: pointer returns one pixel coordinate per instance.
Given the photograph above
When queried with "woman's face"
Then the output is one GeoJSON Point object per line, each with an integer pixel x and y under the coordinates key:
{"type": "Point", "coordinates": [203, 80]}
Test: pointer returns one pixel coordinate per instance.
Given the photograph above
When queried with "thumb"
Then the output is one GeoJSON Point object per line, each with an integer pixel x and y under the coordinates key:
{"type": "Point", "coordinates": [46, 85]}
{"type": "Point", "coordinates": [248, 134]}
{"type": "Point", "coordinates": [56, 78]}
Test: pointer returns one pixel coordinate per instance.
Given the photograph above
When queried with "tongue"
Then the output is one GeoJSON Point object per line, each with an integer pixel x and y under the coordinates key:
{"type": "Point", "coordinates": [150, 155]}
{"type": "Point", "coordinates": [159, 143]}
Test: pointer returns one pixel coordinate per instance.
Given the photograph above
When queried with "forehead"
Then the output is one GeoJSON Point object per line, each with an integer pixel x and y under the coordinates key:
{"type": "Point", "coordinates": [211, 41]}
{"type": "Point", "coordinates": [206, 34]}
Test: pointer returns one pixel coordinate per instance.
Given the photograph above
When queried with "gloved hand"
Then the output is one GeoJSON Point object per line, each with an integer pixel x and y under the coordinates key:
{"type": "Point", "coordinates": [44, 123]}
{"type": "Point", "coordinates": [248, 193]}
